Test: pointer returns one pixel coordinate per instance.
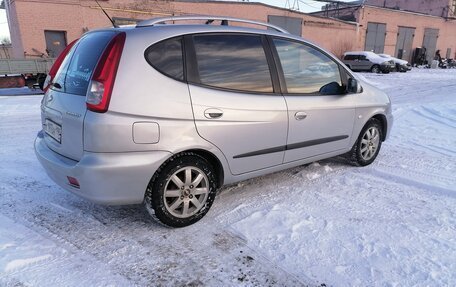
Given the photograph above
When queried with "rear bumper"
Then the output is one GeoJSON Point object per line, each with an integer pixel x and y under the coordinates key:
{"type": "Point", "coordinates": [106, 178]}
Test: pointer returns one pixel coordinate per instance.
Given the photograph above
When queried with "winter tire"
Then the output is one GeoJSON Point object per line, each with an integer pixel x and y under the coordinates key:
{"type": "Point", "coordinates": [375, 69]}
{"type": "Point", "coordinates": [182, 190]}
{"type": "Point", "coordinates": [368, 144]}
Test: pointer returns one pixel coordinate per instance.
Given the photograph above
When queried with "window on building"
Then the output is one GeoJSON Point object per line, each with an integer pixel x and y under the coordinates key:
{"type": "Point", "coordinates": [306, 69]}
{"type": "Point", "coordinates": [236, 62]}
{"type": "Point", "coordinates": [166, 57]}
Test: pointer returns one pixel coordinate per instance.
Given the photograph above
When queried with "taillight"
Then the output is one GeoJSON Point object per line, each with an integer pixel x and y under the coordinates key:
{"type": "Point", "coordinates": [73, 181]}
{"type": "Point", "coordinates": [99, 93]}
{"type": "Point", "coordinates": [55, 67]}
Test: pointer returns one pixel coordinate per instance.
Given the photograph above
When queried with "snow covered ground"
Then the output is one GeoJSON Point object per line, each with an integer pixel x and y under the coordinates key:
{"type": "Point", "coordinates": [389, 224]}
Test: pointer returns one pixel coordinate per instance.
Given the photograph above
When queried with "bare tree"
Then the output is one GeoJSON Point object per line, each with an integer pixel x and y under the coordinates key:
{"type": "Point", "coordinates": [341, 47]}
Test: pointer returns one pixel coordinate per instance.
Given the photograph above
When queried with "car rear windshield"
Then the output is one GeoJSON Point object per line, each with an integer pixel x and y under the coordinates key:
{"type": "Point", "coordinates": [76, 70]}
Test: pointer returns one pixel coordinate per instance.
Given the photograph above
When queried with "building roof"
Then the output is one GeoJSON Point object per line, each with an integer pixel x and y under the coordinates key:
{"type": "Point", "coordinates": [266, 5]}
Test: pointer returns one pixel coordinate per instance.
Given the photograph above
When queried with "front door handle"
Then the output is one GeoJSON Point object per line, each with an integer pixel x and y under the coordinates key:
{"type": "Point", "coordinates": [300, 116]}
{"type": "Point", "coordinates": [213, 113]}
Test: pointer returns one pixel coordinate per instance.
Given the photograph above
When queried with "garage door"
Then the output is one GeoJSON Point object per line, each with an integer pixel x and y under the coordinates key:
{"type": "Point", "coordinates": [375, 37]}
{"type": "Point", "coordinates": [430, 42]}
{"type": "Point", "coordinates": [404, 43]}
{"type": "Point", "coordinates": [291, 24]}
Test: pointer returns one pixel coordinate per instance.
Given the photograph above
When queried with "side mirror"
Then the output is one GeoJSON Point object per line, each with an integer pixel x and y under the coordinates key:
{"type": "Point", "coordinates": [354, 86]}
{"type": "Point", "coordinates": [332, 88]}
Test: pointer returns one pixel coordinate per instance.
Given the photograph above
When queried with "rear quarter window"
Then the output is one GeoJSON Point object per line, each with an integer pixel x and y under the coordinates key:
{"type": "Point", "coordinates": [76, 72]}
{"type": "Point", "coordinates": [167, 57]}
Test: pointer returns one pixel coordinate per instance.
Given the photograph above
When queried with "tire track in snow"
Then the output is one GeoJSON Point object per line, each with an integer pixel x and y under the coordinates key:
{"type": "Point", "coordinates": [93, 231]}
{"type": "Point", "coordinates": [433, 118]}
{"type": "Point", "coordinates": [395, 177]}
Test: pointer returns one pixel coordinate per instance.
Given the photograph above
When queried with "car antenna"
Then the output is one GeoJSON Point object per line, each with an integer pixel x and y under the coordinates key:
{"type": "Point", "coordinates": [110, 19]}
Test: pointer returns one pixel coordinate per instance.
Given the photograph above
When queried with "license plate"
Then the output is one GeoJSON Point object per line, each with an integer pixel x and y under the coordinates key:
{"type": "Point", "coordinates": [53, 130]}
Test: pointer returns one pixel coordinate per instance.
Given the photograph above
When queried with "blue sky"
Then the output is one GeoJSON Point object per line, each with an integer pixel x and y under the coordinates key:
{"type": "Point", "coordinates": [304, 6]}
{"type": "Point", "coordinates": [4, 32]}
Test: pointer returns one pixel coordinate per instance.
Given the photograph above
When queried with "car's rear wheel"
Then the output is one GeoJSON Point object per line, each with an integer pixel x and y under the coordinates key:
{"type": "Point", "coordinates": [368, 144]}
{"type": "Point", "coordinates": [375, 69]}
{"type": "Point", "coordinates": [182, 191]}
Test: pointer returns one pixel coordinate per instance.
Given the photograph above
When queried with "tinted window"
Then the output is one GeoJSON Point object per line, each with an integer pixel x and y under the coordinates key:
{"type": "Point", "coordinates": [350, 57]}
{"type": "Point", "coordinates": [362, 58]}
{"type": "Point", "coordinates": [306, 69]}
{"type": "Point", "coordinates": [76, 71]}
{"type": "Point", "coordinates": [235, 62]}
{"type": "Point", "coordinates": [166, 57]}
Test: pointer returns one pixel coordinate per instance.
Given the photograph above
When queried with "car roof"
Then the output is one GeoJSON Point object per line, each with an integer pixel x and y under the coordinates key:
{"type": "Point", "coordinates": [165, 31]}
{"type": "Point", "coordinates": [365, 53]}
{"type": "Point", "coordinates": [182, 29]}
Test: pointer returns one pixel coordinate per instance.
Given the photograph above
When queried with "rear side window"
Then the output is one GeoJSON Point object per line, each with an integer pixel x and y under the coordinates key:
{"type": "Point", "coordinates": [236, 62]}
{"type": "Point", "coordinates": [166, 57]}
{"type": "Point", "coordinates": [76, 71]}
{"type": "Point", "coordinates": [350, 57]}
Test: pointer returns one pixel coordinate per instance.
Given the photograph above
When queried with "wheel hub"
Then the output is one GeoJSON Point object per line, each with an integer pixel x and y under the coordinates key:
{"type": "Point", "coordinates": [369, 143]}
{"type": "Point", "coordinates": [186, 192]}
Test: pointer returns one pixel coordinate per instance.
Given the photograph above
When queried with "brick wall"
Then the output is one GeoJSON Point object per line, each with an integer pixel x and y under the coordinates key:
{"type": "Point", "coordinates": [395, 19]}
{"type": "Point", "coordinates": [432, 7]}
{"type": "Point", "coordinates": [32, 17]}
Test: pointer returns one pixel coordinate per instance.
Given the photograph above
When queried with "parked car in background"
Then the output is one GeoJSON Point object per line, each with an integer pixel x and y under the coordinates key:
{"type": "Point", "coordinates": [167, 114]}
{"type": "Point", "coordinates": [401, 65]}
{"type": "Point", "coordinates": [368, 61]}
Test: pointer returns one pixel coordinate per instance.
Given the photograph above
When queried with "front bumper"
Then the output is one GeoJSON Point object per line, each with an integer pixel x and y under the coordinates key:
{"type": "Point", "coordinates": [387, 68]}
{"type": "Point", "coordinates": [404, 68]}
{"type": "Point", "coordinates": [106, 178]}
{"type": "Point", "coordinates": [390, 123]}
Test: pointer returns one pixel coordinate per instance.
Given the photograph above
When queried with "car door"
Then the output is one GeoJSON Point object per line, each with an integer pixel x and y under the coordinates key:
{"type": "Point", "coordinates": [364, 63]}
{"type": "Point", "coordinates": [354, 63]}
{"type": "Point", "coordinates": [320, 113]}
{"type": "Point", "coordinates": [234, 102]}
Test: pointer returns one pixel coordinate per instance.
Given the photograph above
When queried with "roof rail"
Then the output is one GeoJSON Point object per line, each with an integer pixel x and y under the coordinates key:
{"type": "Point", "coordinates": [208, 19]}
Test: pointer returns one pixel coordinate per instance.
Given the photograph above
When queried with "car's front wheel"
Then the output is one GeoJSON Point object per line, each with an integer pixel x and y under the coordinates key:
{"type": "Point", "coordinates": [368, 144]}
{"type": "Point", "coordinates": [182, 191]}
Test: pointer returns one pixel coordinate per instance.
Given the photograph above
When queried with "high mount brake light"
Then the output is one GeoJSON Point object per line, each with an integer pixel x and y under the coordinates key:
{"type": "Point", "coordinates": [55, 67]}
{"type": "Point", "coordinates": [100, 88]}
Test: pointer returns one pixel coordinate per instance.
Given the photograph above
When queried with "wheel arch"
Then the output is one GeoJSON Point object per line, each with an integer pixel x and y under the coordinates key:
{"type": "Point", "coordinates": [213, 159]}
{"type": "Point", "coordinates": [382, 119]}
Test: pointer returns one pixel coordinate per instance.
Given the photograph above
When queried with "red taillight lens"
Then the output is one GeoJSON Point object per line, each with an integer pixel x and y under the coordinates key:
{"type": "Point", "coordinates": [73, 181]}
{"type": "Point", "coordinates": [103, 78]}
{"type": "Point", "coordinates": [55, 67]}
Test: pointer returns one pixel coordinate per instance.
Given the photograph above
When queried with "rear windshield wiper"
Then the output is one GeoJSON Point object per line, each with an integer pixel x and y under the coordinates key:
{"type": "Point", "coordinates": [57, 85]}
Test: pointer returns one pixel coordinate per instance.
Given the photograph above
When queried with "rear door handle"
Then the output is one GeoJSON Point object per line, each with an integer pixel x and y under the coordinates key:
{"type": "Point", "coordinates": [300, 116]}
{"type": "Point", "coordinates": [213, 113]}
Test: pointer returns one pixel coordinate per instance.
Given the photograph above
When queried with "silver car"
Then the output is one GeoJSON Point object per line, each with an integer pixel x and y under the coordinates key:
{"type": "Point", "coordinates": [165, 114]}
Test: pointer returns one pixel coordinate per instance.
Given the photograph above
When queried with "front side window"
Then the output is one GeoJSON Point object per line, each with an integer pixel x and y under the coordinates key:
{"type": "Point", "coordinates": [236, 62]}
{"type": "Point", "coordinates": [166, 57]}
{"type": "Point", "coordinates": [306, 69]}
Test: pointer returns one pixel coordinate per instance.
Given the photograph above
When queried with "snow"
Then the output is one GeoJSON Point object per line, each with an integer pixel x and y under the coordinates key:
{"type": "Point", "coordinates": [392, 223]}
